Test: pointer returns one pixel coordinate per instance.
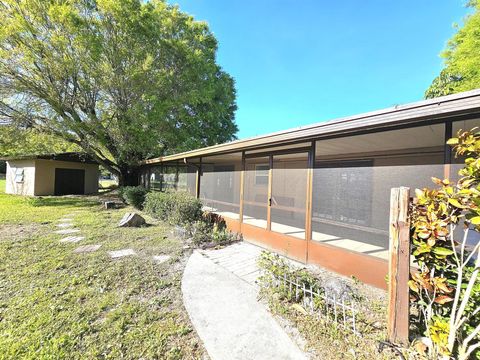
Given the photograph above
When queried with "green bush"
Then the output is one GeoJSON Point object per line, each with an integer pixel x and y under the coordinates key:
{"type": "Point", "coordinates": [201, 232]}
{"type": "Point", "coordinates": [134, 195]}
{"type": "Point", "coordinates": [177, 208]}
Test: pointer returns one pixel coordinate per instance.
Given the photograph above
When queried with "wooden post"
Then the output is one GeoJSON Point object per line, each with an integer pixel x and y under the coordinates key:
{"type": "Point", "coordinates": [309, 197]}
{"type": "Point", "coordinates": [447, 152]}
{"type": "Point", "coordinates": [197, 179]}
{"type": "Point", "coordinates": [242, 184]}
{"type": "Point", "coordinates": [399, 266]}
{"type": "Point", "coordinates": [269, 194]}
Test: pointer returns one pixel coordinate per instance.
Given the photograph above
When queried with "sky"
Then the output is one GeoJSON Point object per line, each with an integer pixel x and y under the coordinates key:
{"type": "Point", "coordinates": [298, 62]}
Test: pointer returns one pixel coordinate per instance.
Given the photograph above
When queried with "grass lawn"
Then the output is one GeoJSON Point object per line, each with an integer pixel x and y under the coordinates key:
{"type": "Point", "coordinates": [55, 304]}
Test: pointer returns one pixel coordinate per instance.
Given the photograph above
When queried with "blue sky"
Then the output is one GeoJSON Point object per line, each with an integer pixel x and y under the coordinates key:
{"type": "Point", "coordinates": [300, 62]}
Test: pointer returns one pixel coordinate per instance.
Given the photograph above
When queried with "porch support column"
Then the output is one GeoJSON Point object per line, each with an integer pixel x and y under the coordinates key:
{"type": "Point", "coordinates": [309, 196]}
{"type": "Point", "coordinates": [162, 174]}
{"type": "Point", "coordinates": [197, 180]}
{"type": "Point", "coordinates": [447, 153]}
{"type": "Point", "coordinates": [242, 184]}
{"type": "Point", "coordinates": [269, 196]}
{"type": "Point", "coordinates": [176, 176]}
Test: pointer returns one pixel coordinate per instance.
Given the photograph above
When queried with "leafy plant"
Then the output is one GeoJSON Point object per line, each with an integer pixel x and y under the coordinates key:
{"type": "Point", "coordinates": [178, 208]}
{"type": "Point", "coordinates": [446, 290]}
{"type": "Point", "coordinates": [134, 195]}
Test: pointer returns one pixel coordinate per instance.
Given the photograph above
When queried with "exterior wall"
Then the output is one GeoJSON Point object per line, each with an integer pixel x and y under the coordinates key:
{"type": "Point", "coordinates": [28, 185]}
{"type": "Point", "coordinates": [45, 176]}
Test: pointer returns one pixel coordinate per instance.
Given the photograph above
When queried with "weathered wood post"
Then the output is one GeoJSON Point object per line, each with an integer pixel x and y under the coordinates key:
{"type": "Point", "coordinates": [399, 266]}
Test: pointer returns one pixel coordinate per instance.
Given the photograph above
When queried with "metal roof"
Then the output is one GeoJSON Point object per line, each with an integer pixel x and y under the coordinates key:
{"type": "Point", "coordinates": [461, 105]}
{"type": "Point", "coordinates": [67, 156]}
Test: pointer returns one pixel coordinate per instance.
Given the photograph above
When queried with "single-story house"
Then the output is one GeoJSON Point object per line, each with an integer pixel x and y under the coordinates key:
{"type": "Point", "coordinates": [320, 194]}
{"type": "Point", "coordinates": [53, 174]}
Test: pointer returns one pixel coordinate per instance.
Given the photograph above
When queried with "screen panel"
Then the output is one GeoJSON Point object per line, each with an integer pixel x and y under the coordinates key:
{"type": "Point", "coordinates": [353, 177]}
{"type": "Point", "coordinates": [220, 184]}
{"type": "Point", "coordinates": [289, 189]}
{"type": "Point", "coordinates": [156, 177]}
{"type": "Point", "coordinates": [256, 191]}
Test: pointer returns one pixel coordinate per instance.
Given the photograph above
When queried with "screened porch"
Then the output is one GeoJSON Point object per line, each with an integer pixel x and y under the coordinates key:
{"type": "Point", "coordinates": [316, 199]}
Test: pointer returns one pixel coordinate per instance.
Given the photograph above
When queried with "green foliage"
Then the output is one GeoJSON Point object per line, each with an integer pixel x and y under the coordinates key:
{"type": "Point", "coordinates": [124, 80]}
{"type": "Point", "coordinates": [447, 289]}
{"type": "Point", "coordinates": [133, 195]}
{"type": "Point", "coordinates": [211, 228]}
{"type": "Point", "coordinates": [15, 141]}
{"type": "Point", "coordinates": [178, 208]}
{"type": "Point", "coordinates": [200, 232]}
{"type": "Point", "coordinates": [462, 59]}
{"type": "Point", "coordinates": [275, 267]}
{"type": "Point", "coordinates": [223, 236]}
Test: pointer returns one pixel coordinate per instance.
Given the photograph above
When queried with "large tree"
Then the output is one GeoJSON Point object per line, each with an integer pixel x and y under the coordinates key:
{"type": "Point", "coordinates": [14, 141]}
{"type": "Point", "coordinates": [462, 59]}
{"type": "Point", "coordinates": [123, 79]}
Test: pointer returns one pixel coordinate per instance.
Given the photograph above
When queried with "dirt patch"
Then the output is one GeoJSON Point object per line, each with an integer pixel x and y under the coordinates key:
{"type": "Point", "coordinates": [19, 232]}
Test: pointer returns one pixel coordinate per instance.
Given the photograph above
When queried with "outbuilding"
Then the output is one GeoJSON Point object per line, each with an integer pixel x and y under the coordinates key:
{"type": "Point", "coordinates": [70, 173]}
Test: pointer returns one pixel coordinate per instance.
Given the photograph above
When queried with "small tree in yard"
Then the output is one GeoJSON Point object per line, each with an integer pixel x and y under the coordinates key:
{"type": "Point", "coordinates": [124, 80]}
{"type": "Point", "coordinates": [446, 290]}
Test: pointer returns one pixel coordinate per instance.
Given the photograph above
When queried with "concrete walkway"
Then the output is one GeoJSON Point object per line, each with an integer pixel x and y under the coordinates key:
{"type": "Point", "coordinates": [240, 259]}
{"type": "Point", "coordinates": [228, 318]}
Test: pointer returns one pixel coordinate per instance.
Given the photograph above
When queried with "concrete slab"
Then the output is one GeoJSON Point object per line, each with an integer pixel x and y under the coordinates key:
{"type": "Point", "coordinates": [86, 249]}
{"type": "Point", "coordinates": [72, 239]}
{"type": "Point", "coordinates": [240, 259]}
{"type": "Point", "coordinates": [161, 258]}
{"type": "Point", "coordinates": [227, 316]}
{"type": "Point", "coordinates": [64, 225]}
{"type": "Point", "coordinates": [67, 231]}
{"type": "Point", "coordinates": [121, 253]}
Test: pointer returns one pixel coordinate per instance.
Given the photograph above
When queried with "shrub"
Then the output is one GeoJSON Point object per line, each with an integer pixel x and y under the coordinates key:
{"type": "Point", "coordinates": [177, 208]}
{"type": "Point", "coordinates": [221, 236]}
{"type": "Point", "coordinates": [447, 289]}
{"type": "Point", "coordinates": [134, 195]}
{"type": "Point", "coordinates": [201, 232]}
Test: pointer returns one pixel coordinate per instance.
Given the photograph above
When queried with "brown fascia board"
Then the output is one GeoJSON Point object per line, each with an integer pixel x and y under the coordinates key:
{"type": "Point", "coordinates": [68, 157]}
{"type": "Point", "coordinates": [441, 108]}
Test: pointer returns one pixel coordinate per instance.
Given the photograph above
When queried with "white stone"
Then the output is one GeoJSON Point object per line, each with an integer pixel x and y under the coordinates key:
{"type": "Point", "coordinates": [64, 225]}
{"type": "Point", "coordinates": [72, 239]}
{"type": "Point", "coordinates": [67, 231]}
{"type": "Point", "coordinates": [131, 219]}
{"type": "Point", "coordinates": [161, 258]}
{"type": "Point", "coordinates": [121, 253]}
{"type": "Point", "coordinates": [86, 248]}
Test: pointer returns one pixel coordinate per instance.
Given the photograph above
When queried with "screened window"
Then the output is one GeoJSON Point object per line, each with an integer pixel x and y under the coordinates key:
{"type": "Point", "coordinates": [19, 175]}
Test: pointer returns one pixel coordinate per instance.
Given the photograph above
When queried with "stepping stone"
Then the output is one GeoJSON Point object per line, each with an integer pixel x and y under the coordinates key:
{"type": "Point", "coordinates": [64, 225]}
{"type": "Point", "coordinates": [72, 239]}
{"type": "Point", "coordinates": [65, 220]}
{"type": "Point", "coordinates": [67, 231]}
{"type": "Point", "coordinates": [161, 258]}
{"type": "Point", "coordinates": [86, 249]}
{"type": "Point", "coordinates": [121, 253]}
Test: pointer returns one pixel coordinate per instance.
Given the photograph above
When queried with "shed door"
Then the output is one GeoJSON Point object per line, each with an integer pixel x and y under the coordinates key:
{"type": "Point", "coordinates": [69, 181]}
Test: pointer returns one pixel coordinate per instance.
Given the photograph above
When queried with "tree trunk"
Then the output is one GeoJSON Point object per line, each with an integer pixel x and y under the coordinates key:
{"type": "Point", "coordinates": [128, 176]}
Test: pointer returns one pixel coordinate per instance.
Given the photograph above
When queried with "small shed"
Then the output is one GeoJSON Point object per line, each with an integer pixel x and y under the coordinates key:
{"type": "Point", "coordinates": [70, 173]}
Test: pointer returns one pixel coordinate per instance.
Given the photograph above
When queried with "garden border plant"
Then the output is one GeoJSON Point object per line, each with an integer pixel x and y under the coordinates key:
{"type": "Point", "coordinates": [446, 289]}
{"type": "Point", "coordinates": [184, 210]}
